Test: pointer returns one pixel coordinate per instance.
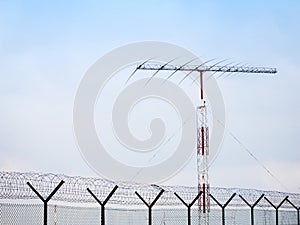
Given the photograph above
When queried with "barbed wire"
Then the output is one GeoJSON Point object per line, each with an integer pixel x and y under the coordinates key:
{"type": "Point", "coordinates": [13, 185]}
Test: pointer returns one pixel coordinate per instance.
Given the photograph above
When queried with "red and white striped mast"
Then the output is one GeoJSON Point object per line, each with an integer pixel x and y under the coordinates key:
{"type": "Point", "coordinates": [202, 155]}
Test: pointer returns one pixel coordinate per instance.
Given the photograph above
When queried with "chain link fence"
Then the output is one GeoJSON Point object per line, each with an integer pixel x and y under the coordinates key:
{"type": "Point", "coordinates": [34, 198]}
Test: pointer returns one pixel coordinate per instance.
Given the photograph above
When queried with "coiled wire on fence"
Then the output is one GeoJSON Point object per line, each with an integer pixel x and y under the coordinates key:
{"type": "Point", "coordinates": [124, 197]}
{"type": "Point", "coordinates": [13, 185]}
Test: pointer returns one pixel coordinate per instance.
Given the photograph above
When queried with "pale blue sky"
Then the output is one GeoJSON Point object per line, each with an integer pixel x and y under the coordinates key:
{"type": "Point", "coordinates": [46, 47]}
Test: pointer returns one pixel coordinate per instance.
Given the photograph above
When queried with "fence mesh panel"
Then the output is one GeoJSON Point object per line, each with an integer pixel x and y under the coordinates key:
{"type": "Point", "coordinates": [21, 214]}
{"type": "Point", "coordinates": [72, 204]}
{"type": "Point", "coordinates": [73, 215]}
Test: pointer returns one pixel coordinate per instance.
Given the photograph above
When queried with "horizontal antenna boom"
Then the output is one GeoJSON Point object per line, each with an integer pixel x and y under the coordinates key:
{"type": "Point", "coordinates": [226, 69]}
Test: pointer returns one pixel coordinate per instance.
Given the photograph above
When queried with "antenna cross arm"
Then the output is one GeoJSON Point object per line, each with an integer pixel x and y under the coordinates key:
{"type": "Point", "coordinates": [203, 68]}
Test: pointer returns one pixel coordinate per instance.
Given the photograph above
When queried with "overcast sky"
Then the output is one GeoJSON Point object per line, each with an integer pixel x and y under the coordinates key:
{"type": "Point", "coordinates": [46, 48]}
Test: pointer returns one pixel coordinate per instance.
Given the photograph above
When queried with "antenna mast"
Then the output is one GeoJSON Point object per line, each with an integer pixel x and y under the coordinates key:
{"type": "Point", "coordinates": [202, 121]}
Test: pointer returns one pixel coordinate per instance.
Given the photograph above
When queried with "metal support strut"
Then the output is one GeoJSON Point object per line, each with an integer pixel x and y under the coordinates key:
{"type": "Point", "coordinates": [104, 202]}
{"type": "Point", "coordinates": [150, 205]}
{"type": "Point", "coordinates": [189, 205]}
{"type": "Point", "coordinates": [45, 201]}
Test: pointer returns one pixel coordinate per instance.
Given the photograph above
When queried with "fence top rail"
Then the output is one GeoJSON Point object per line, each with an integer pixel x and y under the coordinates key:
{"type": "Point", "coordinates": [13, 185]}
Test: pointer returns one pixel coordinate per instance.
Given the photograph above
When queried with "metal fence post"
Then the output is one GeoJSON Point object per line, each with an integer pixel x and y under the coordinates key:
{"type": "Point", "coordinates": [188, 205]}
{"type": "Point", "coordinates": [277, 207]}
{"type": "Point", "coordinates": [252, 206]}
{"type": "Point", "coordinates": [150, 205]}
{"type": "Point", "coordinates": [298, 216]}
{"type": "Point", "coordinates": [223, 206]}
{"type": "Point", "coordinates": [45, 201]}
{"type": "Point", "coordinates": [104, 202]}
